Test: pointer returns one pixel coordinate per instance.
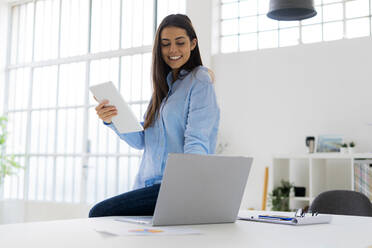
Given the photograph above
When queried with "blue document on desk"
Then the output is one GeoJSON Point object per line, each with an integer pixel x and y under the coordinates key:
{"type": "Point", "coordinates": [288, 220]}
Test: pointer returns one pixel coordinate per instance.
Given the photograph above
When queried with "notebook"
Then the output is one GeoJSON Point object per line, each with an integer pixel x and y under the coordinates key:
{"type": "Point", "coordinates": [289, 220]}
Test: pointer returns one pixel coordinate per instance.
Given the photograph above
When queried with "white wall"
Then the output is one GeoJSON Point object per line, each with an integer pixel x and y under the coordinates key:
{"type": "Point", "coordinates": [202, 22]}
{"type": "Point", "coordinates": [272, 99]}
{"type": "Point", "coordinates": [18, 211]}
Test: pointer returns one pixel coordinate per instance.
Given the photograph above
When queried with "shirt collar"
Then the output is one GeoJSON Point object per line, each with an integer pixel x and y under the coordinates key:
{"type": "Point", "coordinates": [181, 75]}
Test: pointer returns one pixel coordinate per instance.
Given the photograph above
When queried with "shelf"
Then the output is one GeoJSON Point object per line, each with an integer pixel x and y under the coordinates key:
{"type": "Point", "coordinates": [301, 198]}
{"type": "Point", "coordinates": [317, 172]}
{"type": "Point", "coordinates": [325, 155]}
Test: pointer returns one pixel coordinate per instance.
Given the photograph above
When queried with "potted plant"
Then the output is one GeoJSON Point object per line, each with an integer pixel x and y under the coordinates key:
{"type": "Point", "coordinates": [279, 197]}
{"type": "Point", "coordinates": [351, 147]}
{"type": "Point", "coordinates": [7, 163]}
{"type": "Point", "coordinates": [343, 148]}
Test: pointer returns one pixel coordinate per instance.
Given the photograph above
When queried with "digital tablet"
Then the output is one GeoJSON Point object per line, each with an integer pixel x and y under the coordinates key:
{"type": "Point", "coordinates": [125, 121]}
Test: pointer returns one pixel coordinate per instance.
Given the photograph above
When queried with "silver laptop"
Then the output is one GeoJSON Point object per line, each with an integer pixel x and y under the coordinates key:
{"type": "Point", "coordinates": [198, 189]}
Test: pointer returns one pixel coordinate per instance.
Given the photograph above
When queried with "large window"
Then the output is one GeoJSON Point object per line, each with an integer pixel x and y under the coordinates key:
{"type": "Point", "coordinates": [244, 25]}
{"type": "Point", "coordinates": [58, 48]}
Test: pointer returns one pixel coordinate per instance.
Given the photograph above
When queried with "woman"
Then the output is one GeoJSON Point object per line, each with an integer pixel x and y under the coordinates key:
{"type": "Point", "coordinates": [182, 116]}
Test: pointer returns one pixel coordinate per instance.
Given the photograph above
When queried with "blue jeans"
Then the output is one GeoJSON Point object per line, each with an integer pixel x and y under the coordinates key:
{"type": "Point", "coordinates": [137, 202]}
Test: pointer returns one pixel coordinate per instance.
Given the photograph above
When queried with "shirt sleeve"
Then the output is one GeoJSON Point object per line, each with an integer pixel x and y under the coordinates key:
{"type": "Point", "coordinates": [202, 117]}
{"type": "Point", "coordinates": [134, 139]}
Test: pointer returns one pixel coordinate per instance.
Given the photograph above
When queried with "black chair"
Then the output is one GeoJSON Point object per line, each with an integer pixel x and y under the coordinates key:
{"type": "Point", "coordinates": [344, 202]}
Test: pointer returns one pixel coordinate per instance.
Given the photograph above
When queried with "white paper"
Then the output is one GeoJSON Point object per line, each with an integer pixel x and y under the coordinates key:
{"type": "Point", "coordinates": [319, 219]}
{"type": "Point", "coordinates": [125, 121]}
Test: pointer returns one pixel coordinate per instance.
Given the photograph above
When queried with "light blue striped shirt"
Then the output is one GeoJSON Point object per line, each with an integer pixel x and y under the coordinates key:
{"type": "Point", "coordinates": [188, 123]}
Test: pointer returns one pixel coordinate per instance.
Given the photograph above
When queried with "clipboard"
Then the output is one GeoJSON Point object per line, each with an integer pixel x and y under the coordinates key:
{"type": "Point", "coordinates": [289, 220]}
{"type": "Point", "coordinates": [125, 121]}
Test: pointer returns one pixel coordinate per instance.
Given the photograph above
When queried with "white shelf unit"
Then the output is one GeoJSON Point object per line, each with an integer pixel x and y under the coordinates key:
{"type": "Point", "coordinates": [317, 172]}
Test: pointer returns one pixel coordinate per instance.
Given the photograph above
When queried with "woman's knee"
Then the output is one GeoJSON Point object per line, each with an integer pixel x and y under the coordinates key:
{"type": "Point", "coordinates": [96, 211]}
{"type": "Point", "coordinates": [92, 213]}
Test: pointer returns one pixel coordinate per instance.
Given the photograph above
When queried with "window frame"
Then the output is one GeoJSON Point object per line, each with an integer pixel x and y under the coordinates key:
{"type": "Point", "coordinates": [300, 25]}
{"type": "Point", "coordinates": [87, 59]}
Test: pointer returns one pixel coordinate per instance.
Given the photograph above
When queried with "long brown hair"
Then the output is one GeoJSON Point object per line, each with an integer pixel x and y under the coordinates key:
{"type": "Point", "coordinates": [160, 69]}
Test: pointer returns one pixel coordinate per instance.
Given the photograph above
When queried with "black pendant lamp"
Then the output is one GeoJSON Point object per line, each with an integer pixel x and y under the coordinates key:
{"type": "Point", "coordinates": [291, 10]}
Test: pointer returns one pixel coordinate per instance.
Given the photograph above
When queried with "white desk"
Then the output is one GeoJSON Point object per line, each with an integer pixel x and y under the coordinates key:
{"type": "Point", "coordinates": [344, 231]}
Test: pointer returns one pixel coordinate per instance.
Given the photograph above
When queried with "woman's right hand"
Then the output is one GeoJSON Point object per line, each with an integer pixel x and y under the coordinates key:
{"type": "Point", "coordinates": [106, 113]}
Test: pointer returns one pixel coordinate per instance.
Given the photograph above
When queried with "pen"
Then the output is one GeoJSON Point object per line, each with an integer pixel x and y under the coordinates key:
{"type": "Point", "coordinates": [275, 217]}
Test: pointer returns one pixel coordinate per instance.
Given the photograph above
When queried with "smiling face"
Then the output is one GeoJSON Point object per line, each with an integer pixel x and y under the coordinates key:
{"type": "Point", "coordinates": [176, 47]}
